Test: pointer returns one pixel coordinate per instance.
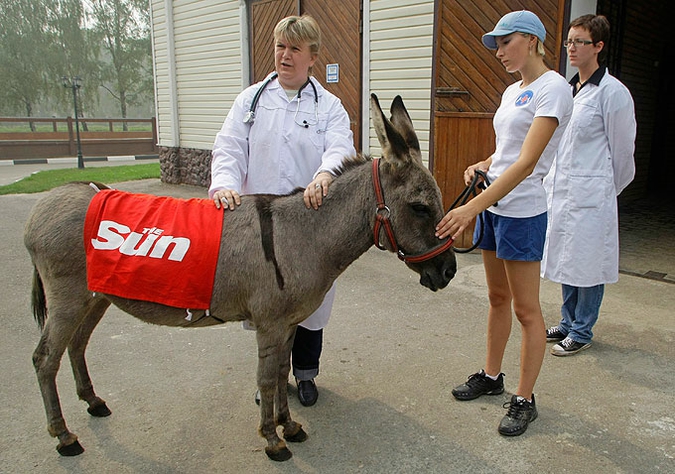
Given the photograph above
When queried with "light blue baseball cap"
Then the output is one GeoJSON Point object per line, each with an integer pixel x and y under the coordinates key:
{"type": "Point", "coordinates": [521, 21]}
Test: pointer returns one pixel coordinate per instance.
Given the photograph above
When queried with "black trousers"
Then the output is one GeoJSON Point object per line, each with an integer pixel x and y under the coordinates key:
{"type": "Point", "coordinates": [306, 353]}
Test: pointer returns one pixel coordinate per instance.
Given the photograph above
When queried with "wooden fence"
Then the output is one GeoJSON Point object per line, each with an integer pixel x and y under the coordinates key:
{"type": "Point", "coordinates": [36, 138]}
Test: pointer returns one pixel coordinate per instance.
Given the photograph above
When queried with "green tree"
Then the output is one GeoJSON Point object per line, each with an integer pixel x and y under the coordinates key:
{"type": "Point", "coordinates": [124, 29]}
{"type": "Point", "coordinates": [72, 52]}
{"type": "Point", "coordinates": [23, 48]}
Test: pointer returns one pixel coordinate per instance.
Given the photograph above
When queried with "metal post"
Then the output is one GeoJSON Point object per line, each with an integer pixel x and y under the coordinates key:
{"type": "Point", "coordinates": [74, 84]}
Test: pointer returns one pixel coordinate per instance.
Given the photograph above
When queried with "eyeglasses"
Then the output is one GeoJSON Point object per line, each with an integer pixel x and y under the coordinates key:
{"type": "Point", "coordinates": [577, 43]}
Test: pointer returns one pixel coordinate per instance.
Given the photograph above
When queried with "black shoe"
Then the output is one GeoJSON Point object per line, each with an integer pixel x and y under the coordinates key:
{"type": "Point", "coordinates": [257, 397]}
{"type": "Point", "coordinates": [554, 334]}
{"type": "Point", "coordinates": [520, 414]}
{"type": "Point", "coordinates": [479, 384]}
{"type": "Point", "coordinates": [307, 392]}
{"type": "Point", "coordinates": [569, 347]}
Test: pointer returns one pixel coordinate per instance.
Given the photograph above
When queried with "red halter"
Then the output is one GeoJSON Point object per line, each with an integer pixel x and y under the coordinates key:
{"type": "Point", "coordinates": [382, 220]}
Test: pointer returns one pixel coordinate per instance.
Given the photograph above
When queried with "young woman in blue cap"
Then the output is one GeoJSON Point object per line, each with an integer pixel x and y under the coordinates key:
{"type": "Point", "coordinates": [528, 125]}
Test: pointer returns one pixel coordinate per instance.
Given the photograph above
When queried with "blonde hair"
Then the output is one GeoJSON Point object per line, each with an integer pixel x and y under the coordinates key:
{"type": "Point", "coordinates": [298, 30]}
{"type": "Point", "coordinates": [540, 45]}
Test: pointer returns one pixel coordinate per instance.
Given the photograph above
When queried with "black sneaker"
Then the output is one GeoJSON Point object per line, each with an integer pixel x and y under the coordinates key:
{"type": "Point", "coordinates": [479, 384]}
{"type": "Point", "coordinates": [568, 347]}
{"type": "Point", "coordinates": [520, 414]}
{"type": "Point", "coordinates": [554, 334]}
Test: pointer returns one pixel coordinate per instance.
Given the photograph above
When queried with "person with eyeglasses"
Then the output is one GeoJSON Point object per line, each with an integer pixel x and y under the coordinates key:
{"type": "Point", "coordinates": [282, 133]}
{"type": "Point", "coordinates": [594, 164]}
{"type": "Point", "coordinates": [528, 124]}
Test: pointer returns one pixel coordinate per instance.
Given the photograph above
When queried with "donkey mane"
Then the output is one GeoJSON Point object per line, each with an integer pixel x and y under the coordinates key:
{"type": "Point", "coordinates": [347, 164]}
{"type": "Point", "coordinates": [351, 163]}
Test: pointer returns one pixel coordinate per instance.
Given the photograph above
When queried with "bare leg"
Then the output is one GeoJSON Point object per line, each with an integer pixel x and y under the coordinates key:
{"type": "Point", "coordinates": [524, 282]}
{"type": "Point", "coordinates": [499, 313]}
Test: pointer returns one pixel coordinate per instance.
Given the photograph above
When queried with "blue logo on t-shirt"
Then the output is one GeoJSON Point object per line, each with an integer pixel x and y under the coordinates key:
{"type": "Point", "coordinates": [524, 98]}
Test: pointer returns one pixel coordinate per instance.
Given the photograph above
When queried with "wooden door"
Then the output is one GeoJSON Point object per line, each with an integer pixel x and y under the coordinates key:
{"type": "Point", "coordinates": [468, 82]}
{"type": "Point", "coordinates": [340, 23]}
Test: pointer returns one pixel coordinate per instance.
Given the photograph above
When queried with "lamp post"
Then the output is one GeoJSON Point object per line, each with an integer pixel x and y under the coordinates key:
{"type": "Point", "coordinates": [75, 83]}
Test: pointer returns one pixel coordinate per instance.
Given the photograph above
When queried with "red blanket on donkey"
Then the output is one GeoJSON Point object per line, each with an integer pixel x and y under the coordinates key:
{"type": "Point", "coordinates": [150, 248]}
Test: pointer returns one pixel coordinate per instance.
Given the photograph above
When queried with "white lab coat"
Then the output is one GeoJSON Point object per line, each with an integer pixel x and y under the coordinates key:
{"type": "Point", "coordinates": [277, 153]}
{"type": "Point", "coordinates": [593, 165]}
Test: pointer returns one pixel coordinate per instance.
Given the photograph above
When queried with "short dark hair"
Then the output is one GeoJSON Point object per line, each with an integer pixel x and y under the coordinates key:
{"type": "Point", "coordinates": [598, 27]}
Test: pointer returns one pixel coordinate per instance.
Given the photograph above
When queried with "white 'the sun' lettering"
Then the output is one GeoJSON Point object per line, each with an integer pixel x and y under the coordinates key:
{"type": "Point", "coordinates": [150, 243]}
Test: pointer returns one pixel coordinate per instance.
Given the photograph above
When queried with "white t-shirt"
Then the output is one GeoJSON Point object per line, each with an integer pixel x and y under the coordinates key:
{"type": "Point", "coordinates": [547, 96]}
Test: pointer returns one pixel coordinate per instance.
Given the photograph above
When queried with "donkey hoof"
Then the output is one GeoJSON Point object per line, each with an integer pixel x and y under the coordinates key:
{"type": "Point", "coordinates": [280, 454]}
{"type": "Point", "coordinates": [74, 449]}
{"type": "Point", "coordinates": [99, 410]}
{"type": "Point", "coordinates": [298, 437]}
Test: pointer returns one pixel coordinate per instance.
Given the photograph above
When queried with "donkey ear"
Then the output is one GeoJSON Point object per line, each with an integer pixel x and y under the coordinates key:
{"type": "Point", "coordinates": [394, 147]}
{"type": "Point", "coordinates": [403, 123]}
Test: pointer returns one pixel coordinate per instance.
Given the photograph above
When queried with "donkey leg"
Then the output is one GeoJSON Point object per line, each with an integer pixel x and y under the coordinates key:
{"type": "Point", "coordinates": [46, 360]}
{"type": "Point", "coordinates": [292, 431]}
{"type": "Point", "coordinates": [76, 349]}
{"type": "Point", "coordinates": [270, 349]}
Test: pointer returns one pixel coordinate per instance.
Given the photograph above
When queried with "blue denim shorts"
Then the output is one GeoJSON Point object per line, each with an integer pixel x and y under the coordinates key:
{"type": "Point", "coordinates": [513, 238]}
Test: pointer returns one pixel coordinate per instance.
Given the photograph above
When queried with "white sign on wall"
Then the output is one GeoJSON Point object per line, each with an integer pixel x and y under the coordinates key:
{"type": "Point", "coordinates": [332, 73]}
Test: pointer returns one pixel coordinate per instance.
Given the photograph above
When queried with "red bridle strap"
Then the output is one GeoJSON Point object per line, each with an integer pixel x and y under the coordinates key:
{"type": "Point", "coordinates": [382, 221]}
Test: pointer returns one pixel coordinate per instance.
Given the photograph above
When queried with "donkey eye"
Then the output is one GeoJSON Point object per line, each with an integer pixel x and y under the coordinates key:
{"type": "Point", "coordinates": [421, 210]}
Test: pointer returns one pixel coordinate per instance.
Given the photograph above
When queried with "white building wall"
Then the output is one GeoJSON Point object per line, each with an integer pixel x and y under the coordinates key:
{"type": "Point", "coordinates": [161, 64]}
{"type": "Point", "coordinates": [207, 68]}
{"type": "Point", "coordinates": [400, 60]}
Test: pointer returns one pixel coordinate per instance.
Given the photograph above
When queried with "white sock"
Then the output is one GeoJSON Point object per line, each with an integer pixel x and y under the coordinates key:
{"type": "Point", "coordinates": [491, 377]}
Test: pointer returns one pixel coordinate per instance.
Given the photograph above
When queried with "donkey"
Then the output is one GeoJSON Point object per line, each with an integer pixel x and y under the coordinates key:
{"type": "Point", "coordinates": [274, 294]}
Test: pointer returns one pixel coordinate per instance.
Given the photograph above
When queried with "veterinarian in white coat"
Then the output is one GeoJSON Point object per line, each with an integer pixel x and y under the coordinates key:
{"type": "Point", "coordinates": [594, 164]}
{"type": "Point", "coordinates": [280, 134]}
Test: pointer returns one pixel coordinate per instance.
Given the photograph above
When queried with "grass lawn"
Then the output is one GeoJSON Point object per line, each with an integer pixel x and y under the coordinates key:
{"type": "Point", "coordinates": [46, 180]}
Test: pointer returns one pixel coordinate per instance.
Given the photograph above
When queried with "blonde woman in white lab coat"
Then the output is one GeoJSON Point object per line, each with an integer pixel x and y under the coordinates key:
{"type": "Point", "coordinates": [286, 132]}
{"type": "Point", "coordinates": [594, 164]}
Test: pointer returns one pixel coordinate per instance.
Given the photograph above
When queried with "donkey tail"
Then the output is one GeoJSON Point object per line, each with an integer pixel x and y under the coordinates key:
{"type": "Point", "coordinates": [38, 299]}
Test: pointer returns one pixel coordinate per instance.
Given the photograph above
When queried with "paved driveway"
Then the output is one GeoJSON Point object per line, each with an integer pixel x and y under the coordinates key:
{"type": "Point", "coordinates": [182, 400]}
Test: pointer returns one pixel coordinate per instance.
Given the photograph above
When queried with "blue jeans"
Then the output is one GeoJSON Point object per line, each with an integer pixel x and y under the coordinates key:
{"type": "Point", "coordinates": [580, 310]}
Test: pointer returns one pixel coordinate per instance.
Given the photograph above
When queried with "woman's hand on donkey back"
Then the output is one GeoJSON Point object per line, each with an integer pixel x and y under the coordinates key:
{"type": "Point", "coordinates": [317, 190]}
{"type": "Point", "coordinates": [227, 199]}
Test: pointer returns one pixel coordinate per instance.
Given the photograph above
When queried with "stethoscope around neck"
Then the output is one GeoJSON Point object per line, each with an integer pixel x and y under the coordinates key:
{"type": "Point", "coordinates": [249, 117]}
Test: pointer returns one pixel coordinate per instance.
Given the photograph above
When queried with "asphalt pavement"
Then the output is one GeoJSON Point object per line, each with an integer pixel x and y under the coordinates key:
{"type": "Point", "coordinates": [182, 400]}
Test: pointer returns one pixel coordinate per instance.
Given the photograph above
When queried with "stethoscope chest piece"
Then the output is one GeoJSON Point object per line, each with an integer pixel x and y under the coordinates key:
{"type": "Point", "coordinates": [249, 117]}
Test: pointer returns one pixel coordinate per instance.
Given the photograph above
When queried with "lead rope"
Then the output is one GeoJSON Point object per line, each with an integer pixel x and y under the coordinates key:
{"type": "Point", "coordinates": [462, 199]}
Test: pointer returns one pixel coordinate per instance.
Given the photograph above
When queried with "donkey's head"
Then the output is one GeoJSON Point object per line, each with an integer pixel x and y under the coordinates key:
{"type": "Point", "coordinates": [412, 198]}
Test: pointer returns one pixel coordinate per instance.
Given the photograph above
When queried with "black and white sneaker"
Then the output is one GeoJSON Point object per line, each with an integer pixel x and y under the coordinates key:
{"type": "Point", "coordinates": [568, 347]}
{"type": "Point", "coordinates": [517, 419]}
{"type": "Point", "coordinates": [554, 334]}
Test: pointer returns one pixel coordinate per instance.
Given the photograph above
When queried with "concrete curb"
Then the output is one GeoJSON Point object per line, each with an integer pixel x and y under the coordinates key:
{"type": "Point", "coordinates": [69, 160]}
